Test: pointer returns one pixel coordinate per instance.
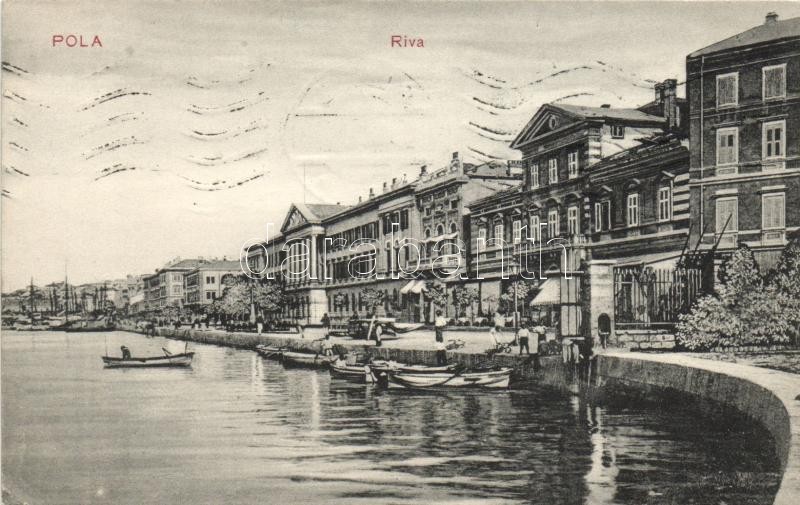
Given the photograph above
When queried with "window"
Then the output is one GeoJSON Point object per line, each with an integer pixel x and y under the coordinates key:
{"type": "Point", "coordinates": [427, 233]}
{"type": "Point", "coordinates": [535, 232]}
{"type": "Point", "coordinates": [774, 81]}
{"type": "Point", "coordinates": [482, 237]}
{"type": "Point", "coordinates": [664, 203]}
{"type": "Point", "coordinates": [633, 209]}
{"type": "Point", "coordinates": [453, 228]}
{"type": "Point", "coordinates": [602, 216]}
{"type": "Point", "coordinates": [552, 223]}
{"type": "Point", "coordinates": [572, 220]}
{"type": "Point", "coordinates": [453, 204]}
{"type": "Point", "coordinates": [773, 139]}
{"type": "Point", "coordinates": [727, 89]}
{"type": "Point", "coordinates": [208, 295]}
{"type": "Point", "coordinates": [727, 146]}
{"type": "Point", "coordinates": [516, 228]}
{"type": "Point", "coordinates": [176, 290]}
{"type": "Point", "coordinates": [572, 162]}
{"type": "Point", "coordinates": [617, 131]}
{"type": "Point", "coordinates": [773, 211]}
{"type": "Point", "coordinates": [535, 175]}
{"type": "Point", "coordinates": [727, 208]}
{"type": "Point", "coordinates": [439, 230]}
{"type": "Point", "coordinates": [428, 211]}
{"type": "Point", "coordinates": [498, 230]}
{"type": "Point", "coordinates": [553, 171]}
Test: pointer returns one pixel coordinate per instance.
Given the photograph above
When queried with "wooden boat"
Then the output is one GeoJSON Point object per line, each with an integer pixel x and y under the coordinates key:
{"type": "Point", "coordinates": [168, 360]}
{"type": "Point", "coordinates": [490, 379]}
{"type": "Point", "coordinates": [270, 351]}
{"type": "Point", "coordinates": [87, 329]}
{"type": "Point", "coordinates": [312, 359]}
{"type": "Point", "coordinates": [357, 372]}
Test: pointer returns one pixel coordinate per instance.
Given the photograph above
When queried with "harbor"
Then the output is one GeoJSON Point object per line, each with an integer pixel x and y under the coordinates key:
{"type": "Point", "coordinates": [236, 427]}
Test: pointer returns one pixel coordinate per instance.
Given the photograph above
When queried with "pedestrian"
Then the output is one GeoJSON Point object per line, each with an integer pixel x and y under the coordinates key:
{"type": "Point", "coordinates": [126, 353]}
{"type": "Point", "coordinates": [499, 322]}
{"type": "Point", "coordinates": [439, 325]}
{"type": "Point", "coordinates": [523, 336]}
{"type": "Point", "coordinates": [259, 323]}
{"type": "Point", "coordinates": [537, 332]}
{"type": "Point", "coordinates": [326, 323]}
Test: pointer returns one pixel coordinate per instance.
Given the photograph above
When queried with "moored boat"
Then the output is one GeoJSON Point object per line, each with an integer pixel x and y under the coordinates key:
{"type": "Point", "coordinates": [270, 351]}
{"type": "Point", "coordinates": [490, 379]}
{"type": "Point", "coordinates": [312, 359]}
{"type": "Point", "coordinates": [168, 360]}
{"type": "Point", "coordinates": [357, 372]}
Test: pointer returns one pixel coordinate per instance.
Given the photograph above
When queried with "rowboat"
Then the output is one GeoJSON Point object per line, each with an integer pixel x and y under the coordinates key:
{"type": "Point", "coordinates": [312, 359]}
{"type": "Point", "coordinates": [394, 366]}
{"type": "Point", "coordinates": [491, 379]}
{"type": "Point", "coordinates": [357, 372]}
{"type": "Point", "coordinates": [270, 351]}
{"type": "Point", "coordinates": [171, 360]}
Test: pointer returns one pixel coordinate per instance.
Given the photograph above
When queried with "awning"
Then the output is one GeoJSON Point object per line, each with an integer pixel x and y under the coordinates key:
{"type": "Point", "coordinates": [549, 292]}
{"type": "Point", "coordinates": [405, 289]}
{"type": "Point", "coordinates": [419, 287]}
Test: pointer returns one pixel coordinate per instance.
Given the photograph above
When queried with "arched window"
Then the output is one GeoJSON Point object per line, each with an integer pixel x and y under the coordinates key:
{"type": "Point", "coordinates": [427, 233]}
{"type": "Point", "coordinates": [453, 228]}
{"type": "Point", "coordinates": [439, 230]}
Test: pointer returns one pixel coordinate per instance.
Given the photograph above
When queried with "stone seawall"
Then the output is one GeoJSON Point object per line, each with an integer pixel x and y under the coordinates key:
{"type": "Point", "coordinates": [768, 396]}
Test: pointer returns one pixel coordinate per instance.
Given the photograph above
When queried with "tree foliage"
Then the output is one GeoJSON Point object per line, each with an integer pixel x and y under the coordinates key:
{"type": "Point", "coordinates": [464, 297]}
{"type": "Point", "coordinates": [748, 308]}
{"type": "Point", "coordinates": [436, 293]}
{"type": "Point", "coordinates": [372, 299]}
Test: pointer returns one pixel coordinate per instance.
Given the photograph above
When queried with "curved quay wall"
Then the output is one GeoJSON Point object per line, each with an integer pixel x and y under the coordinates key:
{"type": "Point", "coordinates": [768, 396]}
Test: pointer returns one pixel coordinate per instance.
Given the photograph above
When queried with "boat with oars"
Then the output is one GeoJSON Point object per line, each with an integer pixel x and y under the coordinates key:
{"type": "Point", "coordinates": [183, 359]}
{"type": "Point", "coordinates": [459, 378]}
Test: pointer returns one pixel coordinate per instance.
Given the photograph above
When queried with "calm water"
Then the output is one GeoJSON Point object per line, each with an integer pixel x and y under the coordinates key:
{"type": "Point", "coordinates": [238, 429]}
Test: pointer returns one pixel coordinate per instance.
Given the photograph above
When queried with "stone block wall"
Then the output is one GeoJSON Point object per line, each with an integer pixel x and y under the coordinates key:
{"type": "Point", "coordinates": [644, 340]}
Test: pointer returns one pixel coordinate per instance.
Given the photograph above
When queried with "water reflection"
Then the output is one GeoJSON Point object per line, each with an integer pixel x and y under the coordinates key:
{"type": "Point", "coordinates": [238, 429]}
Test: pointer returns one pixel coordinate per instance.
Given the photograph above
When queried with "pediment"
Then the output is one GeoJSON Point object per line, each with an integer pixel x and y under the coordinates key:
{"type": "Point", "coordinates": [294, 219]}
{"type": "Point", "coordinates": [546, 120]}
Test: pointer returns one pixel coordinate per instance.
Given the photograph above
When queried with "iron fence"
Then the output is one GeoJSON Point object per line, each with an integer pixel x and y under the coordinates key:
{"type": "Point", "coordinates": [647, 297]}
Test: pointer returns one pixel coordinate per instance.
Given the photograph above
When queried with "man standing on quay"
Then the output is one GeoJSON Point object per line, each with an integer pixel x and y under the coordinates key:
{"type": "Point", "coordinates": [439, 324]}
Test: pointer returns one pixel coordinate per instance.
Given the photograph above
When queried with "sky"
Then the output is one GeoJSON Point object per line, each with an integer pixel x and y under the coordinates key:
{"type": "Point", "coordinates": [196, 124]}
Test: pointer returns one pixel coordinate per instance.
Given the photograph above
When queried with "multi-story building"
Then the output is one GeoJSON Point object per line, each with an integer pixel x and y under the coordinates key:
{"type": "Point", "coordinates": [165, 287]}
{"type": "Point", "coordinates": [744, 103]}
{"type": "Point", "coordinates": [389, 241]}
{"type": "Point", "coordinates": [204, 284]}
{"type": "Point", "coordinates": [600, 182]}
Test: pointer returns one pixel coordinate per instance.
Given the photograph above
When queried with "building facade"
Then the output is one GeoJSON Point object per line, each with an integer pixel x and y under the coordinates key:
{"type": "Point", "coordinates": [164, 288]}
{"type": "Point", "coordinates": [392, 241]}
{"type": "Point", "coordinates": [744, 96]}
{"type": "Point", "coordinates": [204, 284]}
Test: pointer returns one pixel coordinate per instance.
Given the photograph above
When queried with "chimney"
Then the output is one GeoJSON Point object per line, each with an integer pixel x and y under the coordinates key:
{"type": "Point", "coordinates": [670, 102]}
{"type": "Point", "coordinates": [394, 182]}
{"type": "Point", "coordinates": [772, 18]}
{"type": "Point", "coordinates": [359, 199]}
{"type": "Point", "coordinates": [455, 155]}
{"type": "Point", "coordinates": [371, 193]}
{"type": "Point", "coordinates": [385, 185]}
{"type": "Point", "coordinates": [659, 89]}
{"type": "Point", "coordinates": [405, 178]}
{"type": "Point", "coordinates": [423, 171]}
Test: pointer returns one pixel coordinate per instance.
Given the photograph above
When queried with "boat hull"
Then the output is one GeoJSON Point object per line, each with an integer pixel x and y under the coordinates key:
{"type": "Point", "coordinates": [72, 329]}
{"type": "Point", "coordinates": [174, 360]}
{"type": "Point", "coordinates": [306, 359]}
{"type": "Point", "coordinates": [494, 379]}
{"type": "Point", "coordinates": [356, 373]}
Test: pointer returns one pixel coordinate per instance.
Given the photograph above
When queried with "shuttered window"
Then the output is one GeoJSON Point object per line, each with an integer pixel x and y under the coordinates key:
{"type": "Point", "coordinates": [572, 159]}
{"type": "Point", "coordinates": [727, 146]}
{"type": "Point", "coordinates": [572, 220]}
{"type": "Point", "coordinates": [774, 81]}
{"type": "Point", "coordinates": [552, 224]}
{"type": "Point", "coordinates": [535, 175]}
{"type": "Point", "coordinates": [535, 231]}
{"type": "Point", "coordinates": [633, 209]}
{"type": "Point", "coordinates": [553, 171]}
{"type": "Point", "coordinates": [516, 228]}
{"type": "Point", "coordinates": [664, 203]}
{"type": "Point", "coordinates": [727, 207]}
{"type": "Point", "coordinates": [772, 211]}
{"type": "Point", "coordinates": [727, 89]}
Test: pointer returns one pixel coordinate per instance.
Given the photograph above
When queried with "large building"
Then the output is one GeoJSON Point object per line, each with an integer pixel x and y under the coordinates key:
{"type": "Point", "coordinates": [393, 241]}
{"type": "Point", "coordinates": [744, 100]}
{"type": "Point", "coordinates": [164, 288]}
{"type": "Point", "coordinates": [204, 284]}
{"type": "Point", "coordinates": [600, 182]}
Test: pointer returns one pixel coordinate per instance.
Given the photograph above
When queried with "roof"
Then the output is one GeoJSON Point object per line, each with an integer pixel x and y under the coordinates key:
{"type": "Point", "coordinates": [766, 32]}
{"type": "Point", "coordinates": [220, 265]}
{"type": "Point", "coordinates": [324, 210]}
{"type": "Point", "coordinates": [608, 113]}
{"type": "Point", "coordinates": [183, 265]}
